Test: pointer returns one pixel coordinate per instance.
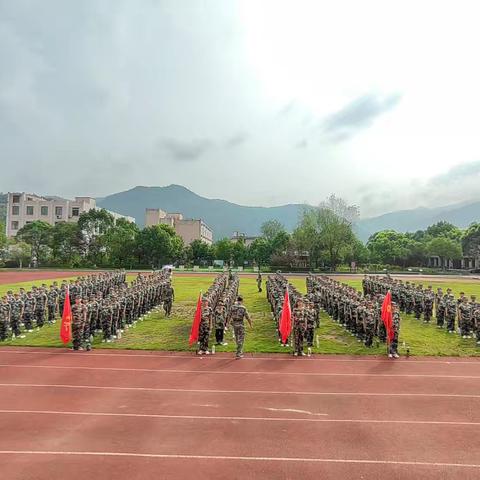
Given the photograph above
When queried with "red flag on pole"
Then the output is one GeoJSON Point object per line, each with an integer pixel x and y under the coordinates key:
{"type": "Point", "coordinates": [387, 316]}
{"type": "Point", "coordinates": [196, 321]}
{"type": "Point", "coordinates": [286, 318]}
{"type": "Point", "coordinates": [66, 328]}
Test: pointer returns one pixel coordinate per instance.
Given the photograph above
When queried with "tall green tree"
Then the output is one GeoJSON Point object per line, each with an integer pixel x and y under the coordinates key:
{"type": "Point", "coordinates": [223, 250]}
{"type": "Point", "coordinates": [158, 245]}
{"type": "Point", "coordinates": [121, 244]}
{"type": "Point", "coordinates": [443, 229]}
{"type": "Point", "coordinates": [65, 242]}
{"type": "Point", "coordinates": [18, 252]}
{"type": "Point", "coordinates": [94, 225]}
{"type": "Point", "coordinates": [327, 231]}
{"type": "Point", "coordinates": [199, 253]}
{"type": "Point", "coordinates": [471, 240]}
{"type": "Point", "coordinates": [36, 234]}
{"type": "Point", "coordinates": [271, 228]}
{"type": "Point", "coordinates": [260, 252]}
{"type": "Point", "coordinates": [445, 248]}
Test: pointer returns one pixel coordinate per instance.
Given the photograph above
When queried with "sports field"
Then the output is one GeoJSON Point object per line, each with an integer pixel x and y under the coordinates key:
{"type": "Point", "coordinates": [157, 333]}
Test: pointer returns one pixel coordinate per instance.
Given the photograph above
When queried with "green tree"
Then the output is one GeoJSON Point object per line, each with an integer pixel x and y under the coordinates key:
{"type": "Point", "coordinates": [18, 252]}
{"type": "Point", "coordinates": [199, 253]}
{"type": "Point", "coordinates": [121, 244]}
{"type": "Point", "coordinates": [271, 228]}
{"type": "Point", "coordinates": [445, 248]}
{"type": "Point", "coordinates": [158, 245]}
{"type": "Point", "coordinates": [37, 235]}
{"type": "Point", "coordinates": [223, 250]}
{"type": "Point", "coordinates": [471, 240]}
{"type": "Point", "coordinates": [94, 225]}
{"type": "Point", "coordinates": [65, 242]}
{"type": "Point", "coordinates": [239, 252]}
{"type": "Point", "coordinates": [327, 230]}
{"type": "Point", "coordinates": [3, 242]}
{"type": "Point", "coordinates": [444, 229]}
{"type": "Point", "coordinates": [260, 252]}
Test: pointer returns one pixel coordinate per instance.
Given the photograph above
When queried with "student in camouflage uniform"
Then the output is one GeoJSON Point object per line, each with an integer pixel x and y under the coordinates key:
{"type": "Point", "coordinates": [429, 300]}
{"type": "Point", "coordinates": [40, 307]}
{"type": "Point", "coordinates": [393, 346]}
{"type": "Point", "coordinates": [238, 314]}
{"type": "Point", "coordinates": [204, 328]}
{"type": "Point", "coordinates": [369, 324]}
{"type": "Point", "coordinates": [78, 323]}
{"type": "Point", "coordinates": [440, 308]}
{"type": "Point", "coordinates": [52, 304]}
{"type": "Point", "coordinates": [168, 301]}
{"type": "Point", "coordinates": [16, 314]}
{"type": "Point", "coordinates": [476, 321]}
{"type": "Point", "coordinates": [219, 320]}
{"type": "Point", "coordinates": [299, 327]}
{"type": "Point", "coordinates": [28, 312]}
{"type": "Point", "coordinates": [450, 313]}
{"type": "Point", "coordinates": [4, 318]}
{"type": "Point", "coordinates": [259, 282]}
{"type": "Point", "coordinates": [465, 317]}
{"type": "Point", "coordinates": [310, 324]}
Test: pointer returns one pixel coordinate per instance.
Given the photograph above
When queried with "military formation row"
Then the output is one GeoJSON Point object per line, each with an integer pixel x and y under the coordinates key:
{"type": "Point", "coordinates": [359, 314]}
{"type": "Point", "coordinates": [217, 304]}
{"type": "Point", "coordinates": [305, 313]}
{"type": "Point", "coordinates": [107, 308]}
{"type": "Point", "coordinates": [460, 314]}
{"type": "Point", "coordinates": [22, 311]}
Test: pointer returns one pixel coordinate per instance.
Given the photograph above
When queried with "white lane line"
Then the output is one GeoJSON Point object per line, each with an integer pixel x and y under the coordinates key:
{"type": "Point", "coordinates": [227, 392]}
{"type": "Point", "coordinates": [238, 458]}
{"type": "Point", "coordinates": [243, 372]}
{"type": "Point", "coordinates": [236, 418]}
{"type": "Point", "coordinates": [318, 358]}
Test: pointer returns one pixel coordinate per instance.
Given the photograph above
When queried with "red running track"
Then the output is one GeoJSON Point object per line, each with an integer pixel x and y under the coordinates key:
{"type": "Point", "coordinates": [151, 415]}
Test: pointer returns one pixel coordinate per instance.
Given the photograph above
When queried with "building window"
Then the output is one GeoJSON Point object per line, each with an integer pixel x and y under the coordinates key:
{"type": "Point", "coordinates": [44, 211]}
{"type": "Point", "coordinates": [29, 209]}
{"type": "Point", "coordinates": [75, 211]}
{"type": "Point", "coordinates": [16, 198]}
{"type": "Point", "coordinates": [15, 210]}
{"type": "Point", "coordinates": [14, 225]}
{"type": "Point", "coordinates": [29, 221]}
{"type": "Point", "coordinates": [58, 211]}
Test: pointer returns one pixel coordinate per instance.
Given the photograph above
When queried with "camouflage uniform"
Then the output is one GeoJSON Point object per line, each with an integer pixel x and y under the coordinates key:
{"type": "Point", "coordinates": [204, 329]}
{"type": "Point", "coordinates": [299, 328]}
{"type": "Point", "coordinates": [78, 324]}
{"type": "Point", "coordinates": [238, 314]}
{"type": "Point", "coordinates": [4, 318]}
{"type": "Point", "coordinates": [52, 302]}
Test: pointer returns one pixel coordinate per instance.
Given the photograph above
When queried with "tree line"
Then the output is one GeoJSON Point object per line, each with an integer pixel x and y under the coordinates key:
{"type": "Point", "coordinates": [324, 238]}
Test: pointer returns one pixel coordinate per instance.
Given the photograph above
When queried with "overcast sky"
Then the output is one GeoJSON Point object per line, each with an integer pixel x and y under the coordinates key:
{"type": "Point", "coordinates": [257, 102]}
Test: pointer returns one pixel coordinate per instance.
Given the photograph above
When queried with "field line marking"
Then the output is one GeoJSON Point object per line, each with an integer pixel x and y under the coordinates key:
{"type": "Point", "coordinates": [318, 357]}
{"type": "Point", "coordinates": [243, 372]}
{"type": "Point", "coordinates": [239, 458]}
{"type": "Point", "coordinates": [252, 392]}
{"type": "Point", "coordinates": [240, 418]}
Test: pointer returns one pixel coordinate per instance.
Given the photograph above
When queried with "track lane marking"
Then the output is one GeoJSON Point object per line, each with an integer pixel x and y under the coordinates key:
{"type": "Point", "coordinates": [241, 458]}
{"type": "Point", "coordinates": [243, 372]}
{"type": "Point", "coordinates": [239, 418]}
{"type": "Point", "coordinates": [252, 392]}
{"type": "Point", "coordinates": [317, 358]}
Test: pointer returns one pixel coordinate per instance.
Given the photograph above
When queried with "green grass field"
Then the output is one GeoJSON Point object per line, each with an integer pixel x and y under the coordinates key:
{"type": "Point", "coordinates": [158, 333]}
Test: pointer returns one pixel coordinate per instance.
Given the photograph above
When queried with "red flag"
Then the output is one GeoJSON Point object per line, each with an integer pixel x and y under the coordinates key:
{"type": "Point", "coordinates": [66, 328]}
{"type": "Point", "coordinates": [387, 316]}
{"type": "Point", "coordinates": [286, 318]}
{"type": "Point", "coordinates": [196, 321]}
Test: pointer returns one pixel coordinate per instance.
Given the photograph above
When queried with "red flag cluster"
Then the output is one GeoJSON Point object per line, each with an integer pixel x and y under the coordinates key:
{"type": "Point", "coordinates": [196, 322]}
{"type": "Point", "coordinates": [387, 316]}
{"type": "Point", "coordinates": [286, 318]}
{"type": "Point", "coordinates": [66, 327]}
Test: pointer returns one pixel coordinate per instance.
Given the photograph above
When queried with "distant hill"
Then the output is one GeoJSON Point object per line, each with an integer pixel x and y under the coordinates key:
{"type": "Point", "coordinates": [419, 219]}
{"type": "Point", "coordinates": [223, 217]}
{"type": "Point", "coordinates": [226, 217]}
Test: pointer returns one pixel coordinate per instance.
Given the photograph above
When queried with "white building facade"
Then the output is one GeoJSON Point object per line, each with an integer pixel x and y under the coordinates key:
{"type": "Point", "coordinates": [24, 208]}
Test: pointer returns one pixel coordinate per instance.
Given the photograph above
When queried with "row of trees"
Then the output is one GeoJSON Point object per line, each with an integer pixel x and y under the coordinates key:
{"type": "Point", "coordinates": [442, 240]}
{"type": "Point", "coordinates": [324, 237]}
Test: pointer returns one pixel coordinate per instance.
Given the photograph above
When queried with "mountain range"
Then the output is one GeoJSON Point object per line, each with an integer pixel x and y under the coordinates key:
{"type": "Point", "coordinates": [225, 218]}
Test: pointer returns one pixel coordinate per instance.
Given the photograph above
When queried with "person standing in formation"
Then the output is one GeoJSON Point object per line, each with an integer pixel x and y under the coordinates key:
{"type": "Point", "coordinates": [238, 314]}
